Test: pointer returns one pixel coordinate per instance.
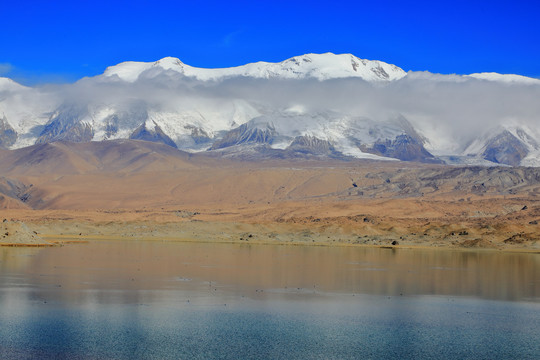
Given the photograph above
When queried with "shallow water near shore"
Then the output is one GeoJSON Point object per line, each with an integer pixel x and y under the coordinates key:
{"type": "Point", "coordinates": [152, 299]}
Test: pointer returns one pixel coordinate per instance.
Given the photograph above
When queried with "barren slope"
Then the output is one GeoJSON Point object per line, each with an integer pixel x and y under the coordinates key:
{"type": "Point", "coordinates": [363, 201]}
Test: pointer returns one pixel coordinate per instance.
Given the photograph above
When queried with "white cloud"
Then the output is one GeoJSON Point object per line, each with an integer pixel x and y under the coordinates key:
{"type": "Point", "coordinates": [5, 68]}
{"type": "Point", "coordinates": [451, 110]}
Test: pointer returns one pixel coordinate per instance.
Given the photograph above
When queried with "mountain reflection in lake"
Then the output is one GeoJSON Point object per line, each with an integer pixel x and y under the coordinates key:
{"type": "Point", "coordinates": [141, 299]}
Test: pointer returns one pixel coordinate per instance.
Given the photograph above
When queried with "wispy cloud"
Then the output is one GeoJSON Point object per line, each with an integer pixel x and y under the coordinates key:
{"type": "Point", "coordinates": [229, 39]}
{"type": "Point", "coordinates": [5, 68]}
{"type": "Point", "coordinates": [450, 110]}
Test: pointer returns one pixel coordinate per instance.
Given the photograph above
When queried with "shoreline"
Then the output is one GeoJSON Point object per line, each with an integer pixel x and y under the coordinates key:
{"type": "Point", "coordinates": [262, 243]}
{"type": "Point", "coordinates": [240, 237]}
{"type": "Point", "coordinates": [366, 225]}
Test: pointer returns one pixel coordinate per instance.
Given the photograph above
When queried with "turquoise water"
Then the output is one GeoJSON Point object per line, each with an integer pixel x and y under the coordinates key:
{"type": "Point", "coordinates": [146, 300]}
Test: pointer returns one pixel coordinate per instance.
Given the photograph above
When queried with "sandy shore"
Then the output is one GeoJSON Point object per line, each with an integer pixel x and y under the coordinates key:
{"type": "Point", "coordinates": [283, 225]}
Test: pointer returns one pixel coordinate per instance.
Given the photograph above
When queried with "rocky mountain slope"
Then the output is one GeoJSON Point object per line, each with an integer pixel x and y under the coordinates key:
{"type": "Point", "coordinates": [146, 190]}
{"type": "Point", "coordinates": [137, 174]}
{"type": "Point", "coordinates": [314, 105]}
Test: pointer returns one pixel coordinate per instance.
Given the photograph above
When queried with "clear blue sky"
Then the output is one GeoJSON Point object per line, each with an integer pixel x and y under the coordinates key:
{"type": "Point", "coordinates": [62, 41]}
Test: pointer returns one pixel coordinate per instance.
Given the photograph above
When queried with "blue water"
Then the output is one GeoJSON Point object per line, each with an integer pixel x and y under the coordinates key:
{"type": "Point", "coordinates": [52, 316]}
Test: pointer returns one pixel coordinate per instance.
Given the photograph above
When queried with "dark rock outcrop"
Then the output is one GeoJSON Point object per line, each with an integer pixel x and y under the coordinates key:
{"type": "Point", "coordinates": [8, 135]}
{"type": "Point", "coordinates": [154, 135]}
{"type": "Point", "coordinates": [111, 126]}
{"type": "Point", "coordinates": [66, 125]}
{"type": "Point", "coordinates": [403, 147]}
{"type": "Point", "coordinates": [246, 134]}
{"type": "Point", "coordinates": [14, 188]}
{"type": "Point", "coordinates": [311, 145]}
{"type": "Point", "coordinates": [506, 149]}
{"type": "Point", "coordinates": [198, 135]}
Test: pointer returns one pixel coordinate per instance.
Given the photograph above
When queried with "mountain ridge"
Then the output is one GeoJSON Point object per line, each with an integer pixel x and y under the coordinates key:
{"type": "Point", "coordinates": [317, 104]}
{"type": "Point", "coordinates": [319, 66]}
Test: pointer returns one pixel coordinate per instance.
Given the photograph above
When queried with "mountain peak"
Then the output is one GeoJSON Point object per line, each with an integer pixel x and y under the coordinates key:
{"type": "Point", "coordinates": [7, 84]}
{"type": "Point", "coordinates": [169, 62]}
{"type": "Point", "coordinates": [319, 66]}
{"type": "Point", "coordinates": [131, 70]}
{"type": "Point", "coordinates": [506, 78]}
{"type": "Point", "coordinates": [329, 65]}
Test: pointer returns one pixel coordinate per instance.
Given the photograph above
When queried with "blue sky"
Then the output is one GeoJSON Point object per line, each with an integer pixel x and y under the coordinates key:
{"type": "Point", "coordinates": [62, 41]}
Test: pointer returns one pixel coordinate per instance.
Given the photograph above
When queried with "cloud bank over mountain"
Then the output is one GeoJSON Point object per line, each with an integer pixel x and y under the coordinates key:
{"type": "Point", "coordinates": [353, 104]}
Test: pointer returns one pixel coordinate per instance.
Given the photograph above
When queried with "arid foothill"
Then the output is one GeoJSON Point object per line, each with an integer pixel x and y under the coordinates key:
{"type": "Point", "coordinates": [130, 188]}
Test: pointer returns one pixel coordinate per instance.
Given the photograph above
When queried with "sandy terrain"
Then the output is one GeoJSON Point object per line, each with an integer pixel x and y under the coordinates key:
{"type": "Point", "coordinates": [498, 224]}
{"type": "Point", "coordinates": [137, 189]}
{"type": "Point", "coordinates": [16, 233]}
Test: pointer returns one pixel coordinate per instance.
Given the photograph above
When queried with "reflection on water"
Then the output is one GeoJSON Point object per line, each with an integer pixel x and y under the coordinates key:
{"type": "Point", "coordinates": [190, 300]}
{"type": "Point", "coordinates": [254, 269]}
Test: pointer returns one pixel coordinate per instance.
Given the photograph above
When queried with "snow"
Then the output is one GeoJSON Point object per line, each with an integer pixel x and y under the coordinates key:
{"type": "Point", "coordinates": [357, 153]}
{"type": "Point", "coordinates": [468, 160]}
{"type": "Point", "coordinates": [506, 78]}
{"type": "Point", "coordinates": [532, 159]}
{"type": "Point", "coordinates": [10, 85]}
{"type": "Point", "coordinates": [319, 66]}
{"type": "Point", "coordinates": [524, 133]}
{"type": "Point", "coordinates": [528, 136]}
{"type": "Point", "coordinates": [181, 113]}
{"type": "Point", "coordinates": [26, 109]}
{"type": "Point", "coordinates": [344, 132]}
{"type": "Point", "coordinates": [127, 71]}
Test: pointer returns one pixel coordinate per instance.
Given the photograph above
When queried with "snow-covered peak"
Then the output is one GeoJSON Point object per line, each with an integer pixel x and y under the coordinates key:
{"type": "Point", "coordinates": [10, 85]}
{"type": "Point", "coordinates": [130, 70]}
{"type": "Point", "coordinates": [506, 78]}
{"type": "Point", "coordinates": [127, 71]}
{"type": "Point", "coordinates": [319, 66]}
{"type": "Point", "coordinates": [169, 63]}
{"type": "Point", "coordinates": [323, 67]}
{"type": "Point", "coordinates": [509, 144]}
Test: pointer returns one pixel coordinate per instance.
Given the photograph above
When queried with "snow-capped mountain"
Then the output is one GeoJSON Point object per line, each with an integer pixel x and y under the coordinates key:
{"type": "Point", "coordinates": [511, 145]}
{"type": "Point", "coordinates": [506, 78]}
{"type": "Point", "coordinates": [321, 105]}
{"type": "Point", "coordinates": [329, 133]}
{"type": "Point", "coordinates": [318, 66]}
{"type": "Point", "coordinates": [8, 85]}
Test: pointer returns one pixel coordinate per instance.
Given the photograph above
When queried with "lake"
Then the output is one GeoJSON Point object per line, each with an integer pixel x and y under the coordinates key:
{"type": "Point", "coordinates": [182, 300]}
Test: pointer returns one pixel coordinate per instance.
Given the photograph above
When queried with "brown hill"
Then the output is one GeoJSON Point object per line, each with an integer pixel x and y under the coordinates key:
{"type": "Point", "coordinates": [120, 156]}
{"type": "Point", "coordinates": [138, 174]}
{"type": "Point", "coordinates": [135, 174]}
{"type": "Point", "coordinates": [131, 181]}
